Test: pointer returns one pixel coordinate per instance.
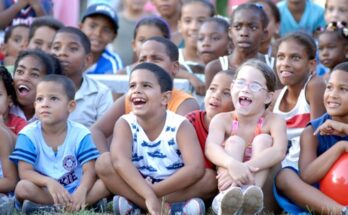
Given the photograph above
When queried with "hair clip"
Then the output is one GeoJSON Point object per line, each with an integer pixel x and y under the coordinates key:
{"type": "Point", "coordinates": [258, 5]}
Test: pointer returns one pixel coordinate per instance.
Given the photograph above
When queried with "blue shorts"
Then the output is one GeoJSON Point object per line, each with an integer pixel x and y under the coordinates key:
{"type": "Point", "coordinates": [285, 203]}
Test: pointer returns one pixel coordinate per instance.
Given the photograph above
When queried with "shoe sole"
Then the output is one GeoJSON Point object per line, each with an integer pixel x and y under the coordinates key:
{"type": "Point", "coordinates": [231, 201]}
{"type": "Point", "coordinates": [252, 200]}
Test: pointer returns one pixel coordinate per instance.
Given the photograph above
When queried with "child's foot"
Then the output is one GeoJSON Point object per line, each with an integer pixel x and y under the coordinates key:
{"type": "Point", "coordinates": [228, 202]}
{"type": "Point", "coordinates": [121, 206]}
{"type": "Point", "coordinates": [252, 199]}
{"type": "Point", "coordinates": [193, 206]}
{"type": "Point", "coordinates": [6, 204]}
{"type": "Point", "coordinates": [30, 207]}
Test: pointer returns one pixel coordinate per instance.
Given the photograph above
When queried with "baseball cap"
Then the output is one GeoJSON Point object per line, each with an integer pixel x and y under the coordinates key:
{"type": "Point", "coordinates": [102, 9]}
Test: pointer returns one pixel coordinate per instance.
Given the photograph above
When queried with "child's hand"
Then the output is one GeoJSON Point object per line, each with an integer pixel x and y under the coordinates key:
{"type": "Point", "coordinates": [224, 179]}
{"type": "Point", "coordinates": [331, 127]}
{"type": "Point", "coordinates": [198, 85]}
{"type": "Point", "coordinates": [59, 194]}
{"type": "Point", "coordinates": [242, 174]}
{"type": "Point", "coordinates": [78, 200]}
{"type": "Point", "coordinates": [153, 205]}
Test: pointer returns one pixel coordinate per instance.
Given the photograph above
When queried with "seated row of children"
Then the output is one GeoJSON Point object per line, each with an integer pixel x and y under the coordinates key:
{"type": "Point", "coordinates": [186, 182]}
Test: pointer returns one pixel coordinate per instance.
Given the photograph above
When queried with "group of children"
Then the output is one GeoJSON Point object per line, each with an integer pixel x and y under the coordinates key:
{"type": "Point", "coordinates": [66, 145]}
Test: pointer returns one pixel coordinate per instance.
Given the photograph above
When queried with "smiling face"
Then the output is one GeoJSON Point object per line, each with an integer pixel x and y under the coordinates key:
{"type": "Point", "coordinates": [145, 93]}
{"type": "Point", "coordinates": [332, 49]}
{"type": "Point", "coordinates": [192, 17]}
{"type": "Point", "coordinates": [218, 96]}
{"type": "Point", "coordinates": [100, 31]}
{"type": "Point", "coordinates": [293, 64]}
{"type": "Point", "coordinates": [29, 72]}
{"type": "Point", "coordinates": [249, 92]}
{"type": "Point", "coordinates": [336, 11]}
{"type": "Point", "coordinates": [212, 42]}
{"type": "Point", "coordinates": [52, 105]}
{"type": "Point", "coordinates": [336, 94]}
{"type": "Point", "coordinates": [68, 49]}
{"type": "Point", "coordinates": [247, 31]}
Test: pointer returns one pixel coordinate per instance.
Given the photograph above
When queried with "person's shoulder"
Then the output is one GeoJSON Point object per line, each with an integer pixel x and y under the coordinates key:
{"type": "Point", "coordinates": [282, 4]}
{"type": "Point", "coordinates": [320, 120]}
{"type": "Point", "coordinates": [316, 82]}
{"type": "Point", "coordinates": [214, 64]}
{"type": "Point", "coordinates": [31, 127]}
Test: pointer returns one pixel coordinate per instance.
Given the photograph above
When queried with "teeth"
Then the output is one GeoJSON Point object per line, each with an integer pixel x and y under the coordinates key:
{"type": "Point", "coordinates": [22, 88]}
{"type": "Point", "coordinates": [138, 100]}
{"type": "Point", "coordinates": [244, 98]}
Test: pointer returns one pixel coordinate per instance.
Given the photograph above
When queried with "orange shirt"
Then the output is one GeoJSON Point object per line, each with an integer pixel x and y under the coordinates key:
{"type": "Point", "coordinates": [177, 98]}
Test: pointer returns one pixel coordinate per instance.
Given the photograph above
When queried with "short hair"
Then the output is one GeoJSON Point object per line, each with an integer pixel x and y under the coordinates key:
{"type": "Point", "coordinates": [86, 44]}
{"type": "Point", "coordinates": [206, 3]}
{"type": "Point", "coordinates": [50, 63]}
{"type": "Point", "coordinates": [163, 78]}
{"type": "Point", "coordinates": [67, 84]}
{"type": "Point", "coordinates": [8, 32]}
{"type": "Point", "coordinates": [156, 21]}
{"type": "Point", "coordinates": [6, 77]}
{"type": "Point", "coordinates": [220, 21]}
{"type": "Point", "coordinates": [303, 39]}
{"type": "Point", "coordinates": [44, 21]}
{"type": "Point", "coordinates": [256, 8]}
{"type": "Point", "coordinates": [272, 6]}
{"type": "Point", "coordinates": [342, 67]}
{"type": "Point", "coordinates": [266, 71]}
{"type": "Point", "coordinates": [171, 48]}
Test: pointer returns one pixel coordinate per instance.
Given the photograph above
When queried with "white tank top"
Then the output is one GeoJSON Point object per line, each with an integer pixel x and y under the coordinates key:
{"type": "Point", "coordinates": [296, 121]}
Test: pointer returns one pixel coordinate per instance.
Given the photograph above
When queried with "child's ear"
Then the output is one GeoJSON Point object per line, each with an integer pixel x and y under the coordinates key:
{"type": "Point", "coordinates": [166, 97]}
{"type": "Point", "coordinates": [71, 106]}
{"type": "Point", "coordinates": [312, 66]}
{"type": "Point", "coordinates": [3, 48]}
{"type": "Point", "coordinates": [88, 60]}
{"type": "Point", "coordinates": [269, 97]}
{"type": "Point", "coordinates": [175, 68]}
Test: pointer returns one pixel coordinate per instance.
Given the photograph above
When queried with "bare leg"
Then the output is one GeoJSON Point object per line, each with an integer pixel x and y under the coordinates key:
{"type": "Point", "coordinates": [235, 147]}
{"type": "Point", "coordinates": [25, 190]}
{"type": "Point", "coordinates": [114, 183]}
{"type": "Point", "coordinates": [305, 195]}
{"type": "Point", "coordinates": [205, 188]}
{"type": "Point", "coordinates": [97, 192]}
{"type": "Point", "coordinates": [260, 143]}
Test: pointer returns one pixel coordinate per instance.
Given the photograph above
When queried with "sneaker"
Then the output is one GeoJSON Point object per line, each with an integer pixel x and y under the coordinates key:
{"type": "Point", "coordinates": [252, 199]}
{"type": "Point", "coordinates": [121, 206]}
{"type": "Point", "coordinates": [231, 201]}
{"type": "Point", "coordinates": [30, 207]}
{"type": "Point", "coordinates": [6, 204]}
{"type": "Point", "coordinates": [193, 206]}
{"type": "Point", "coordinates": [100, 206]}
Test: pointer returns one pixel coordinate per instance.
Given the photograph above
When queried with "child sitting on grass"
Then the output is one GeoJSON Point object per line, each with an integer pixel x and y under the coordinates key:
{"type": "Point", "coordinates": [55, 156]}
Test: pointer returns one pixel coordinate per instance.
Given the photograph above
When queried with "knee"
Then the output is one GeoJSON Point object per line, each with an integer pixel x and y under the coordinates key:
{"type": "Point", "coordinates": [263, 141]}
{"type": "Point", "coordinates": [284, 179]}
{"type": "Point", "coordinates": [103, 164]}
{"type": "Point", "coordinates": [233, 142]}
{"type": "Point", "coordinates": [24, 190]}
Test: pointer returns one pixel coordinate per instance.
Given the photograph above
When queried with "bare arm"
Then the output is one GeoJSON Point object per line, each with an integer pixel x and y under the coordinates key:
{"type": "Point", "coordinates": [211, 69]}
{"type": "Point", "coordinates": [103, 127]}
{"type": "Point", "coordinates": [276, 153]}
{"type": "Point", "coordinates": [7, 15]}
{"type": "Point", "coordinates": [38, 8]}
{"type": "Point", "coordinates": [88, 178]}
{"type": "Point", "coordinates": [193, 159]}
{"type": "Point", "coordinates": [314, 95]}
{"type": "Point", "coordinates": [10, 176]}
{"type": "Point", "coordinates": [121, 156]}
{"type": "Point", "coordinates": [187, 106]}
{"type": "Point", "coordinates": [57, 191]}
{"type": "Point", "coordinates": [314, 168]}
{"type": "Point", "coordinates": [193, 79]}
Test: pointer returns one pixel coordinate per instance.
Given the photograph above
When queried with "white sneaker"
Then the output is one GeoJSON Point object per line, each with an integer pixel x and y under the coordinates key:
{"type": "Point", "coordinates": [228, 202]}
{"type": "Point", "coordinates": [252, 199]}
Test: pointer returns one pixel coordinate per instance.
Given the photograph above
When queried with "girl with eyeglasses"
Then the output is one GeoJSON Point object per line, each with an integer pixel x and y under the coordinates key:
{"type": "Point", "coordinates": [299, 102]}
{"type": "Point", "coordinates": [247, 142]}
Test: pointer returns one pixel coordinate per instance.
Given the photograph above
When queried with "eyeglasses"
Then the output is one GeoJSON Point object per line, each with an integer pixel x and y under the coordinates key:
{"type": "Point", "coordinates": [253, 86]}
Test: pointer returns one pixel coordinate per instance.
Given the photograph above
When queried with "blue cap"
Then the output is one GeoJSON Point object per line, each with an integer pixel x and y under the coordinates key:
{"type": "Point", "coordinates": [102, 9]}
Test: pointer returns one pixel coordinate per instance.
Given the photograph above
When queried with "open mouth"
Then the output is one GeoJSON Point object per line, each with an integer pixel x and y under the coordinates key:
{"type": "Point", "coordinates": [23, 90]}
{"type": "Point", "coordinates": [138, 101]}
{"type": "Point", "coordinates": [244, 101]}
